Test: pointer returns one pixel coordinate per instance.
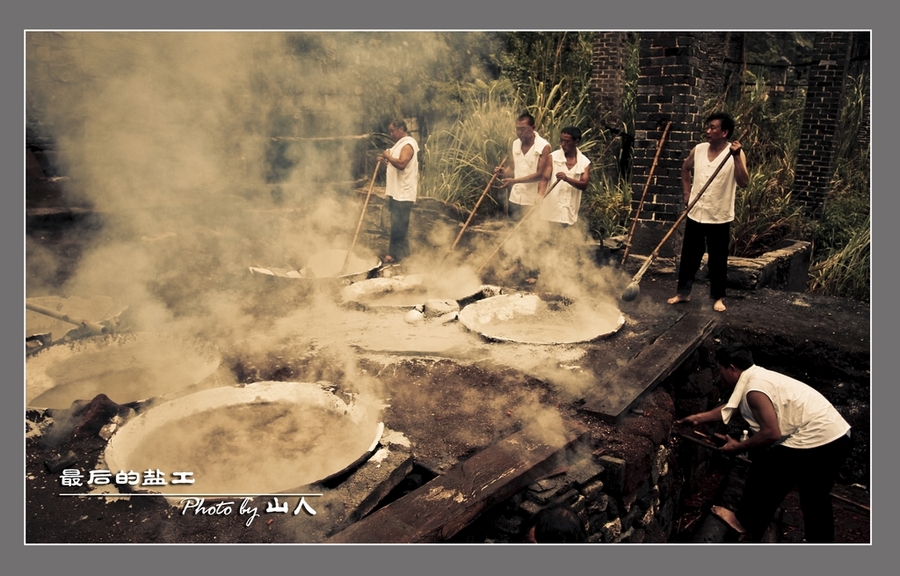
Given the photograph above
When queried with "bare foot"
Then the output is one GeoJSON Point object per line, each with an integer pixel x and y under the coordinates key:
{"type": "Point", "coordinates": [719, 306]}
{"type": "Point", "coordinates": [678, 298]}
{"type": "Point", "coordinates": [729, 518]}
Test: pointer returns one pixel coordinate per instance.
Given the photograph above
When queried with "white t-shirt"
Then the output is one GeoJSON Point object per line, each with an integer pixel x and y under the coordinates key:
{"type": "Point", "coordinates": [806, 418]}
{"type": "Point", "coordinates": [403, 184]}
{"type": "Point", "coordinates": [525, 164]}
{"type": "Point", "coordinates": [716, 206]}
{"type": "Point", "coordinates": [564, 200]}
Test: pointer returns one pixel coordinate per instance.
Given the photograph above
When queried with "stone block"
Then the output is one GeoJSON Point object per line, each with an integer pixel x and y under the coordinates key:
{"type": "Point", "coordinates": [613, 473]}
{"type": "Point", "coordinates": [611, 530]}
{"type": "Point", "coordinates": [584, 471]}
{"type": "Point", "coordinates": [593, 491]}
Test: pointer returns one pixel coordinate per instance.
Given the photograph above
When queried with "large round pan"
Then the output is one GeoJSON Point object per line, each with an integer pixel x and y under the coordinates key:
{"type": "Point", "coordinates": [126, 367]}
{"type": "Point", "coordinates": [330, 264]}
{"type": "Point", "coordinates": [541, 319]}
{"type": "Point", "coordinates": [263, 438]}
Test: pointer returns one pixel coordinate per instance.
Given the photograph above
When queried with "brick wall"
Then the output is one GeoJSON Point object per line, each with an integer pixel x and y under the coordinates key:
{"type": "Point", "coordinates": [607, 91]}
{"type": "Point", "coordinates": [670, 88]}
{"type": "Point", "coordinates": [815, 155]}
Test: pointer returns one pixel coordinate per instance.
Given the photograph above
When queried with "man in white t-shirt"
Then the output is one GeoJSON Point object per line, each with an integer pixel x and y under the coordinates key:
{"type": "Point", "coordinates": [799, 439]}
{"type": "Point", "coordinates": [402, 185]}
{"type": "Point", "coordinates": [708, 225]}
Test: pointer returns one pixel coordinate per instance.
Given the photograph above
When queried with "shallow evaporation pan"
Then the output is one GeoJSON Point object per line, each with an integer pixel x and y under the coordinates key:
{"type": "Point", "coordinates": [263, 438]}
{"type": "Point", "coordinates": [126, 367]}
{"type": "Point", "coordinates": [407, 291]}
{"type": "Point", "coordinates": [330, 264]}
{"type": "Point", "coordinates": [541, 319]}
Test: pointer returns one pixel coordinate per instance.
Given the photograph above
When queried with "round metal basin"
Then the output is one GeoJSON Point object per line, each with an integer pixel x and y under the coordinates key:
{"type": "Point", "coordinates": [263, 438]}
{"type": "Point", "coordinates": [330, 264]}
{"type": "Point", "coordinates": [406, 291]}
{"type": "Point", "coordinates": [541, 319]}
{"type": "Point", "coordinates": [125, 367]}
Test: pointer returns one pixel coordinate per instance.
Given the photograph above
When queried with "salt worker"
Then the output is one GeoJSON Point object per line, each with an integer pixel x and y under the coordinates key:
{"type": "Point", "coordinates": [708, 224]}
{"type": "Point", "coordinates": [530, 158]}
{"type": "Point", "coordinates": [572, 170]}
{"type": "Point", "coordinates": [799, 439]}
{"type": "Point", "coordinates": [402, 162]}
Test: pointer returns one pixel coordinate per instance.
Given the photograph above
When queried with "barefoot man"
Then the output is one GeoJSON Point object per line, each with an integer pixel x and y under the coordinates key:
{"type": "Point", "coordinates": [707, 226]}
{"type": "Point", "coordinates": [799, 439]}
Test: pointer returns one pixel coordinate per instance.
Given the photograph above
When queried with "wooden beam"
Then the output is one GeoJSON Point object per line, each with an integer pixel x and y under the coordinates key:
{"type": "Point", "coordinates": [441, 508]}
{"type": "Point", "coordinates": [624, 388]}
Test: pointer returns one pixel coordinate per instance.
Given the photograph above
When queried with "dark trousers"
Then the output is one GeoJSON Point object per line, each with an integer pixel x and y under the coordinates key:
{"type": "Point", "coordinates": [774, 473]}
{"type": "Point", "coordinates": [700, 238]}
{"type": "Point", "coordinates": [517, 211]}
{"type": "Point", "coordinates": [399, 247]}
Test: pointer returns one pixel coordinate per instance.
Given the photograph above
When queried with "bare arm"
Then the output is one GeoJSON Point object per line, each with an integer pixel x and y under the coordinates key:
{"type": "Point", "coordinates": [581, 183]}
{"type": "Point", "coordinates": [741, 174]}
{"type": "Point", "coordinates": [769, 431]}
{"type": "Point", "coordinates": [714, 415]}
{"type": "Point", "coordinates": [406, 154]}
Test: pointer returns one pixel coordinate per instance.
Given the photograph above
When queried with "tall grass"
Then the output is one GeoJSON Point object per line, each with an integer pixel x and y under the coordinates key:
{"type": "Point", "coordinates": [459, 159]}
{"type": "Point", "coordinates": [846, 271]}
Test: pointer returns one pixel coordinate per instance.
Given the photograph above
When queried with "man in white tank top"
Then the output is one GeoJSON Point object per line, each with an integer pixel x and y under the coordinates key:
{"type": "Point", "coordinates": [799, 439]}
{"type": "Point", "coordinates": [530, 157]}
{"type": "Point", "coordinates": [402, 185]}
{"type": "Point", "coordinates": [708, 224]}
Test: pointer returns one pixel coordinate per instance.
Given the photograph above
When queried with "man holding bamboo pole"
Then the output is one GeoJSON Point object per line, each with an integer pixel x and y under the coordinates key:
{"type": "Point", "coordinates": [708, 224]}
{"type": "Point", "coordinates": [401, 187]}
{"type": "Point", "coordinates": [530, 158]}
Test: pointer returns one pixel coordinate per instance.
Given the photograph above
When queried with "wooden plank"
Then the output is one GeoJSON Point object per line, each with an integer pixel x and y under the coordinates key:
{"type": "Point", "coordinates": [447, 504]}
{"type": "Point", "coordinates": [620, 392]}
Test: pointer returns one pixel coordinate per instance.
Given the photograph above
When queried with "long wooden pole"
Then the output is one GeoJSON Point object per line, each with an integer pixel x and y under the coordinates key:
{"type": "Point", "coordinates": [361, 216]}
{"type": "Point", "coordinates": [662, 141]}
{"type": "Point", "coordinates": [516, 227]}
{"type": "Point", "coordinates": [477, 204]}
{"type": "Point", "coordinates": [632, 290]}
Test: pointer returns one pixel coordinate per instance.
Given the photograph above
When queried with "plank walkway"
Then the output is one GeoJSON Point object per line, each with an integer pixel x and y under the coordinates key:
{"type": "Point", "coordinates": [441, 508]}
{"type": "Point", "coordinates": [613, 397]}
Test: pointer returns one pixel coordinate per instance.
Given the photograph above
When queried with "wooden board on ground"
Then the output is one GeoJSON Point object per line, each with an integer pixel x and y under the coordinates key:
{"type": "Point", "coordinates": [623, 389]}
{"type": "Point", "coordinates": [447, 504]}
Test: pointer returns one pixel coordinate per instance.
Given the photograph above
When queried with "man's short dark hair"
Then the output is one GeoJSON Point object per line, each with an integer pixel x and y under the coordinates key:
{"type": "Point", "coordinates": [725, 119]}
{"type": "Point", "coordinates": [558, 524]}
{"type": "Point", "coordinates": [734, 355]}
{"type": "Point", "coordinates": [572, 131]}
{"type": "Point", "coordinates": [527, 117]}
{"type": "Point", "coordinates": [399, 124]}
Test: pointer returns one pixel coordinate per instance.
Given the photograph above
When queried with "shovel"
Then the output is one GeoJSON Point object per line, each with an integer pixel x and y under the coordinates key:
{"type": "Point", "coordinates": [93, 328]}
{"type": "Point", "coordinates": [361, 216]}
{"type": "Point", "coordinates": [632, 290]}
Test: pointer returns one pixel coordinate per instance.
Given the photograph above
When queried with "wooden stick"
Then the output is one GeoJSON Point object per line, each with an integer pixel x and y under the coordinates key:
{"type": "Point", "coordinates": [477, 204]}
{"type": "Point", "coordinates": [662, 141]}
{"type": "Point", "coordinates": [361, 216]}
{"type": "Point", "coordinates": [516, 227]}
{"type": "Point", "coordinates": [637, 277]}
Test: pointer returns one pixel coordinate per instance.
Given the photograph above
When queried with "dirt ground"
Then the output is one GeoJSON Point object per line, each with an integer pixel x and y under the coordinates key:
{"type": "Point", "coordinates": [456, 394]}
